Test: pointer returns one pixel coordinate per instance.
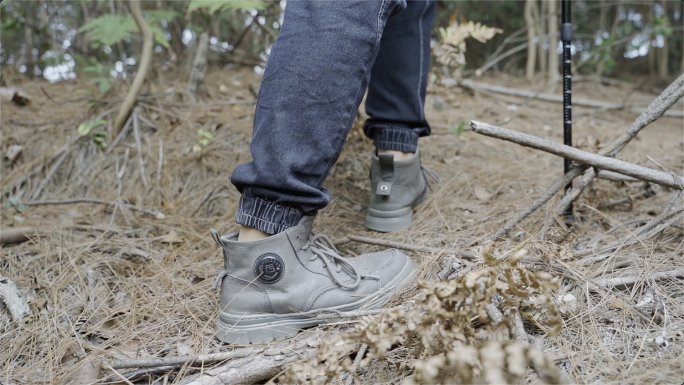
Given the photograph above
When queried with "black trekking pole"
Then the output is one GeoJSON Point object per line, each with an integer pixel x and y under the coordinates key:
{"type": "Point", "coordinates": [566, 39]}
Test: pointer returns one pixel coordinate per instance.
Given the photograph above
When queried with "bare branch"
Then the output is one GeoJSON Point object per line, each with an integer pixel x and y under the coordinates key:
{"type": "Point", "coordinates": [586, 158]}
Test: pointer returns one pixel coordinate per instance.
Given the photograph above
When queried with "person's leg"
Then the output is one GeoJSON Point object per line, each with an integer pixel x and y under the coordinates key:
{"type": "Point", "coordinates": [315, 79]}
{"type": "Point", "coordinates": [396, 93]}
{"type": "Point", "coordinates": [395, 105]}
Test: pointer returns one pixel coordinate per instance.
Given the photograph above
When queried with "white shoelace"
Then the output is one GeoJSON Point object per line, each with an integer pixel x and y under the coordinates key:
{"type": "Point", "coordinates": [322, 247]}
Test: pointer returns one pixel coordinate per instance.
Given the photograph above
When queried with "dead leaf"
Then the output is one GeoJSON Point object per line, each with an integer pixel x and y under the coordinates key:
{"type": "Point", "coordinates": [481, 194]}
{"type": "Point", "coordinates": [171, 237]}
{"type": "Point", "coordinates": [223, 88]}
{"type": "Point", "coordinates": [14, 95]}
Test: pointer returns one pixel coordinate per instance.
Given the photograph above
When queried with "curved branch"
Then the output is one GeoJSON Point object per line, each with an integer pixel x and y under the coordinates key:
{"type": "Point", "coordinates": [143, 68]}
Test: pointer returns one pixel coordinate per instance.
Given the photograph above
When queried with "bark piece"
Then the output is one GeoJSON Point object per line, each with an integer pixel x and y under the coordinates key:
{"type": "Point", "coordinates": [15, 302]}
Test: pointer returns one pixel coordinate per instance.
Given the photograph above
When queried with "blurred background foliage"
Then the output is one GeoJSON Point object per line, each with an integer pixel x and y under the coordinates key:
{"type": "Point", "coordinates": [57, 40]}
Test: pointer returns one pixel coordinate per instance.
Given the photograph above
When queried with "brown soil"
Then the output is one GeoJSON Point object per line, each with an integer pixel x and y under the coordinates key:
{"type": "Point", "coordinates": [104, 281]}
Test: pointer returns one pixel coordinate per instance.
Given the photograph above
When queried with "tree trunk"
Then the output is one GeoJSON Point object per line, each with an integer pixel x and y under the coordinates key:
{"type": "Point", "coordinates": [531, 46]}
{"type": "Point", "coordinates": [651, 50]}
{"type": "Point", "coordinates": [613, 32]}
{"type": "Point", "coordinates": [143, 67]}
{"type": "Point", "coordinates": [28, 39]}
{"type": "Point", "coordinates": [554, 31]}
{"type": "Point", "coordinates": [86, 19]}
{"type": "Point", "coordinates": [543, 33]}
{"type": "Point", "coordinates": [664, 51]}
{"type": "Point", "coordinates": [681, 12]}
{"type": "Point", "coordinates": [603, 16]}
{"type": "Point", "coordinates": [199, 65]}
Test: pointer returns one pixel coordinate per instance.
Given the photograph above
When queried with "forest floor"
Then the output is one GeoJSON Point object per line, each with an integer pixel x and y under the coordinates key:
{"type": "Point", "coordinates": [105, 281]}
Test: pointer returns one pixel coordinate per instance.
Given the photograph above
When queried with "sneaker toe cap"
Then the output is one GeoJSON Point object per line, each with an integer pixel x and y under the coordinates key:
{"type": "Point", "coordinates": [390, 266]}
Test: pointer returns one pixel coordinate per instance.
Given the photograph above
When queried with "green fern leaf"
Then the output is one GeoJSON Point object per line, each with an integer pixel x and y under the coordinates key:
{"type": "Point", "coordinates": [155, 16]}
{"type": "Point", "coordinates": [220, 5]}
{"type": "Point", "coordinates": [110, 29]}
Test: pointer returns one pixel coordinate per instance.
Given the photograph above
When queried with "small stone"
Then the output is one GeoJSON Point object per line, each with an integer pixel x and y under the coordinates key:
{"type": "Point", "coordinates": [570, 302]}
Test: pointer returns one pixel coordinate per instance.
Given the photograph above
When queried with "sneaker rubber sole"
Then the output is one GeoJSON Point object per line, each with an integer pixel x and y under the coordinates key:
{"type": "Point", "coordinates": [389, 221]}
{"type": "Point", "coordinates": [258, 328]}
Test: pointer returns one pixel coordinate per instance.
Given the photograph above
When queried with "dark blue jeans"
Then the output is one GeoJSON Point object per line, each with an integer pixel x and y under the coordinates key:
{"type": "Point", "coordinates": [326, 56]}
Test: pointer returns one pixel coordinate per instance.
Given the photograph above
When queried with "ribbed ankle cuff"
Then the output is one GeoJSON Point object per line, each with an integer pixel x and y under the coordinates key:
{"type": "Point", "coordinates": [266, 216]}
{"type": "Point", "coordinates": [394, 138]}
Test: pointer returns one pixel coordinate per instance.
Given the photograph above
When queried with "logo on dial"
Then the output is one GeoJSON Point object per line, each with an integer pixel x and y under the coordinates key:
{"type": "Point", "coordinates": [269, 268]}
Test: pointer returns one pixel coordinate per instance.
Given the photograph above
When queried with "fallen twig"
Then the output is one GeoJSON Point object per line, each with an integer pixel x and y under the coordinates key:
{"type": "Point", "coordinates": [160, 163]}
{"type": "Point", "coordinates": [123, 378]}
{"type": "Point", "coordinates": [548, 194]}
{"type": "Point", "coordinates": [630, 280]}
{"type": "Point", "coordinates": [494, 313]}
{"type": "Point", "coordinates": [139, 374]}
{"type": "Point", "coordinates": [655, 110]}
{"type": "Point", "coordinates": [330, 314]}
{"type": "Point", "coordinates": [10, 235]}
{"type": "Point", "coordinates": [123, 132]}
{"type": "Point", "coordinates": [647, 192]}
{"type": "Point", "coordinates": [586, 158]}
{"type": "Point", "coordinates": [663, 215]}
{"type": "Point", "coordinates": [258, 367]}
{"type": "Point", "coordinates": [558, 98]}
{"type": "Point", "coordinates": [182, 360]}
{"type": "Point", "coordinates": [404, 246]}
{"type": "Point", "coordinates": [615, 177]}
{"type": "Point", "coordinates": [138, 146]}
{"type": "Point", "coordinates": [661, 104]}
{"type": "Point", "coordinates": [52, 171]}
{"type": "Point", "coordinates": [591, 285]}
{"type": "Point", "coordinates": [669, 221]}
{"type": "Point", "coordinates": [355, 364]}
{"type": "Point", "coordinates": [11, 296]}
{"type": "Point", "coordinates": [154, 213]}
{"type": "Point", "coordinates": [518, 327]}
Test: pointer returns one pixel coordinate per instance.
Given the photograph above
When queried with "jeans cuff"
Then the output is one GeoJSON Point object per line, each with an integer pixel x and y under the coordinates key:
{"type": "Point", "coordinates": [266, 216]}
{"type": "Point", "coordinates": [395, 138]}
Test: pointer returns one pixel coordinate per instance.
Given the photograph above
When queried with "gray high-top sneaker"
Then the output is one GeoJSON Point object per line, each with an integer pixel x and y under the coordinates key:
{"type": "Point", "coordinates": [396, 188]}
{"type": "Point", "coordinates": [274, 287]}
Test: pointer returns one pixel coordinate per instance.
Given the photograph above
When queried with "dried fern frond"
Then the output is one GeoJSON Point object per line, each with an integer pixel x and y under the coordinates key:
{"type": "Point", "coordinates": [450, 51]}
{"type": "Point", "coordinates": [447, 329]}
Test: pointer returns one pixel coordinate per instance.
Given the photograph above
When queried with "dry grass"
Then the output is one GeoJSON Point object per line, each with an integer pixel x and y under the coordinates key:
{"type": "Point", "coordinates": [94, 296]}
